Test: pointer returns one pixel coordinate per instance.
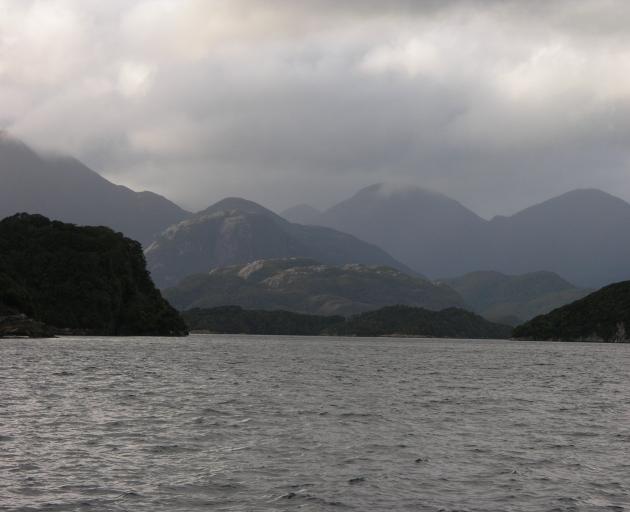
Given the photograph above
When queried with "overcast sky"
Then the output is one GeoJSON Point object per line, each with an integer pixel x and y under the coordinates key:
{"type": "Point", "coordinates": [498, 104]}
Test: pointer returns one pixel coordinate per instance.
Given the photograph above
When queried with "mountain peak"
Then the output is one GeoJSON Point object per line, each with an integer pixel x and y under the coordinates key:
{"type": "Point", "coordinates": [396, 190]}
{"type": "Point", "coordinates": [589, 194]}
{"type": "Point", "coordinates": [13, 149]}
{"type": "Point", "coordinates": [404, 219]}
{"type": "Point", "coordinates": [238, 204]}
{"type": "Point", "coordinates": [65, 189]}
{"type": "Point", "coordinates": [581, 202]}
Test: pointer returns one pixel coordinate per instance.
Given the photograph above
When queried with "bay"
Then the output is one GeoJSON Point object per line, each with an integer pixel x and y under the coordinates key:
{"type": "Point", "coordinates": [247, 423]}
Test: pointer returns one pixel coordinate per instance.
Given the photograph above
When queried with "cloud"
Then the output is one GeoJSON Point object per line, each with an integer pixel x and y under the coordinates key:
{"type": "Point", "coordinates": [498, 103]}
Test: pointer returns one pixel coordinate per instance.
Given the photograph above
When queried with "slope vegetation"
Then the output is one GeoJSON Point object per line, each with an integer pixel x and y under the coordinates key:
{"type": "Point", "coordinates": [389, 321]}
{"type": "Point", "coordinates": [411, 321]}
{"type": "Point", "coordinates": [601, 316]}
{"type": "Point", "coordinates": [83, 279]}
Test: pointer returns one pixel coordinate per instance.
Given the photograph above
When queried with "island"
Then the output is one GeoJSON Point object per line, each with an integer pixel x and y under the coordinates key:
{"type": "Point", "coordinates": [59, 278]}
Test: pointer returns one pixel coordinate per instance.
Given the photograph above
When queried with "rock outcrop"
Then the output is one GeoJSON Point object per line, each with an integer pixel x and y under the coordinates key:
{"type": "Point", "coordinates": [235, 231]}
{"type": "Point", "coordinates": [302, 285]}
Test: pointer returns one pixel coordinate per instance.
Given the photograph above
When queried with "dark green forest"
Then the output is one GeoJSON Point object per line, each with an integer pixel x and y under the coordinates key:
{"type": "Point", "coordinates": [601, 316]}
{"type": "Point", "coordinates": [82, 279]}
{"type": "Point", "coordinates": [236, 320]}
{"type": "Point", "coordinates": [389, 321]}
{"type": "Point", "coordinates": [412, 321]}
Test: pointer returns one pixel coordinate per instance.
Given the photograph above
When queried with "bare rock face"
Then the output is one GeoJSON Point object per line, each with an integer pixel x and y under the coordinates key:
{"type": "Point", "coordinates": [236, 232]}
{"type": "Point", "coordinates": [304, 285]}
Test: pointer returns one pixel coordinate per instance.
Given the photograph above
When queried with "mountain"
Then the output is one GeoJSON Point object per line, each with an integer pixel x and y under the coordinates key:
{"type": "Point", "coordinates": [582, 235]}
{"type": "Point", "coordinates": [65, 189]}
{"type": "Point", "coordinates": [425, 230]}
{"type": "Point", "coordinates": [601, 316]}
{"type": "Point", "coordinates": [306, 286]}
{"type": "Point", "coordinates": [82, 279]}
{"type": "Point", "coordinates": [514, 299]}
{"type": "Point", "coordinates": [235, 231]}
{"type": "Point", "coordinates": [410, 321]}
{"type": "Point", "coordinates": [301, 214]}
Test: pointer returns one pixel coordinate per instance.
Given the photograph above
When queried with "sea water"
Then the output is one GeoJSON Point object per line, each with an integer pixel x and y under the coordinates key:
{"type": "Point", "coordinates": [245, 423]}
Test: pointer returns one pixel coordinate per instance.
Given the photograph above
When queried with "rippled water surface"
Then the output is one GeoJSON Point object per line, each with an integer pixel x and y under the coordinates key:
{"type": "Point", "coordinates": [260, 424]}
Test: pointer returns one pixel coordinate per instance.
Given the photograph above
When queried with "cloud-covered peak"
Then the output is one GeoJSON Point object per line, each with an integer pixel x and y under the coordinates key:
{"type": "Point", "coordinates": [497, 103]}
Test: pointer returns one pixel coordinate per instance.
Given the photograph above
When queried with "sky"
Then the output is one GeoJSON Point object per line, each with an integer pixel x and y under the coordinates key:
{"type": "Point", "coordinates": [497, 103]}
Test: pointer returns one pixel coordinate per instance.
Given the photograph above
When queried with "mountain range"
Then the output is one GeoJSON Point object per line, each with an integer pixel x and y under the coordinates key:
{"type": "Point", "coordinates": [581, 235]}
{"type": "Point", "coordinates": [236, 231]}
{"type": "Point", "coordinates": [65, 189]}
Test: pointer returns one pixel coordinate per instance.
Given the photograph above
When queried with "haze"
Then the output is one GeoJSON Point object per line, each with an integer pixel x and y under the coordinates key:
{"type": "Point", "coordinates": [499, 104]}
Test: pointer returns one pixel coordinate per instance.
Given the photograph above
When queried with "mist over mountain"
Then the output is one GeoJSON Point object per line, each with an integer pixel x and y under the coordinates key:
{"type": "Point", "coordinates": [302, 214]}
{"type": "Point", "coordinates": [582, 235]}
{"type": "Point", "coordinates": [64, 189]}
{"type": "Point", "coordinates": [423, 229]}
{"type": "Point", "coordinates": [236, 231]}
{"type": "Point", "coordinates": [306, 286]}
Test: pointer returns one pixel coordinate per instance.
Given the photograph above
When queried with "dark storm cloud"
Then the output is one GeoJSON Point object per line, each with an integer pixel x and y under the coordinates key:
{"type": "Point", "coordinates": [498, 103]}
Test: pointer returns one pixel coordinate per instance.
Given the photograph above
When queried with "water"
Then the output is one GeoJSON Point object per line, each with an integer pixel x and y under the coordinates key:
{"type": "Point", "coordinates": [228, 423]}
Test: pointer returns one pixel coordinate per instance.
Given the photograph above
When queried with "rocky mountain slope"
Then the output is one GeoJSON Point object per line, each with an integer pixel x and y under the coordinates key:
{"type": "Point", "coordinates": [236, 231]}
{"type": "Point", "coordinates": [306, 286]}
